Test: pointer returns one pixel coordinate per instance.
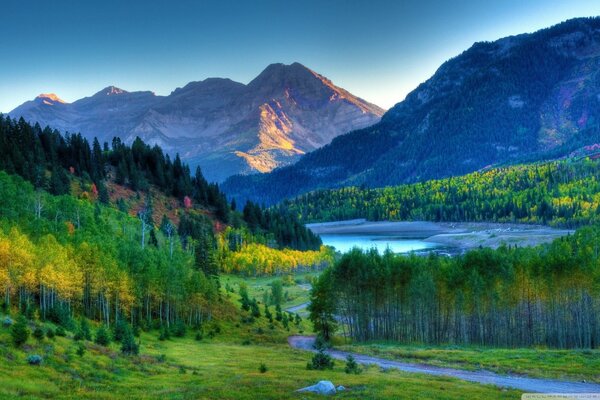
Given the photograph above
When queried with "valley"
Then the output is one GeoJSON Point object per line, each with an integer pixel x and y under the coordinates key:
{"type": "Point", "coordinates": [284, 238]}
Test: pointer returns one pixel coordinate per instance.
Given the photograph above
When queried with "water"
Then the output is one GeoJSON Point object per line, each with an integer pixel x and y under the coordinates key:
{"type": "Point", "coordinates": [345, 242]}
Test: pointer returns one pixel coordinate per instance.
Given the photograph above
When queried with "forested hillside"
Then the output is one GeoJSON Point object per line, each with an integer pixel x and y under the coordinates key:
{"type": "Point", "coordinates": [50, 162]}
{"type": "Point", "coordinates": [509, 297]}
{"type": "Point", "coordinates": [562, 193]}
{"type": "Point", "coordinates": [76, 252]}
{"type": "Point", "coordinates": [521, 98]}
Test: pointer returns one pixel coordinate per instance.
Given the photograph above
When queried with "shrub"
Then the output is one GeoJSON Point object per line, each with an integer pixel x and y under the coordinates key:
{"type": "Point", "coordinates": [321, 343]}
{"type": "Point", "coordinates": [39, 333]}
{"type": "Point", "coordinates": [179, 329]}
{"type": "Point", "coordinates": [50, 333]}
{"type": "Point", "coordinates": [198, 336]}
{"type": "Point", "coordinates": [164, 334]}
{"type": "Point", "coordinates": [254, 308]}
{"type": "Point", "coordinates": [80, 350]}
{"type": "Point", "coordinates": [60, 315]}
{"type": "Point", "coordinates": [351, 366]}
{"type": "Point", "coordinates": [263, 368]}
{"type": "Point", "coordinates": [320, 361]}
{"type": "Point", "coordinates": [34, 359]}
{"type": "Point", "coordinates": [60, 331]}
{"type": "Point", "coordinates": [102, 336]}
{"type": "Point", "coordinates": [85, 329]}
{"type": "Point", "coordinates": [19, 331]}
{"type": "Point", "coordinates": [120, 330]}
{"type": "Point", "coordinates": [128, 344]}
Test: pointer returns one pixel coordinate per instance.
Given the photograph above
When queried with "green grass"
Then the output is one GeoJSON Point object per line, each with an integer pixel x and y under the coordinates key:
{"type": "Point", "coordinates": [536, 362]}
{"type": "Point", "coordinates": [224, 367]}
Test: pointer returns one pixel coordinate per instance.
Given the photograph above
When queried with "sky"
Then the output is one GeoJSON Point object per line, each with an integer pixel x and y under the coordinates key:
{"type": "Point", "coordinates": [378, 50]}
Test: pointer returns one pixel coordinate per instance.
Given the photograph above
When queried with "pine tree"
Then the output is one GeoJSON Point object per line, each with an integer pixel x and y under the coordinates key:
{"type": "Point", "coordinates": [102, 336]}
{"type": "Point", "coordinates": [19, 331]}
{"type": "Point", "coordinates": [129, 346]}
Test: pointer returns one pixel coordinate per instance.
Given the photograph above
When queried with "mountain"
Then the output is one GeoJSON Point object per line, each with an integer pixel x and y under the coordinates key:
{"type": "Point", "coordinates": [224, 126]}
{"type": "Point", "coordinates": [521, 98]}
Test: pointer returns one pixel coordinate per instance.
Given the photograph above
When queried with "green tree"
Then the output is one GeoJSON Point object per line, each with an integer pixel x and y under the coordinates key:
{"type": "Point", "coordinates": [19, 331]}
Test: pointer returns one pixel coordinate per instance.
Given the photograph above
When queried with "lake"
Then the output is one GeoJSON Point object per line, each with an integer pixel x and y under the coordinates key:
{"type": "Point", "coordinates": [422, 236]}
{"type": "Point", "coordinates": [345, 242]}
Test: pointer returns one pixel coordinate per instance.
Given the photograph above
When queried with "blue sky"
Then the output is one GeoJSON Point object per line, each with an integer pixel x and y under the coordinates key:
{"type": "Point", "coordinates": [379, 50]}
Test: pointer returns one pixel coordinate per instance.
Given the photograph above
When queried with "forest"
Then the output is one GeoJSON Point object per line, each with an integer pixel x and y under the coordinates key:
{"type": "Point", "coordinates": [67, 250]}
{"type": "Point", "coordinates": [509, 297]}
{"type": "Point", "coordinates": [563, 193]}
{"type": "Point", "coordinates": [486, 106]}
{"type": "Point", "coordinates": [49, 161]}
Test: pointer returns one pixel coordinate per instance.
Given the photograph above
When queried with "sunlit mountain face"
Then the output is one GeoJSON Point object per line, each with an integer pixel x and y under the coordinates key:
{"type": "Point", "coordinates": [223, 126]}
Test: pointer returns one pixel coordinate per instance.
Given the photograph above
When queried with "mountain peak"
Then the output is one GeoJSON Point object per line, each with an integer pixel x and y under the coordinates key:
{"type": "Point", "coordinates": [50, 99]}
{"type": "Point", "coordinates": [111, 91]}
{"type": "Point", "coordinates": [279, 73]}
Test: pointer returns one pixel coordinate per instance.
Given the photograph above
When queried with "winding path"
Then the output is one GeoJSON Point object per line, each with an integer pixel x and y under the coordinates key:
{"type": "Point", "coordinates": [298, 307]}
{"type": "Point", "coordinates": [485, 377]}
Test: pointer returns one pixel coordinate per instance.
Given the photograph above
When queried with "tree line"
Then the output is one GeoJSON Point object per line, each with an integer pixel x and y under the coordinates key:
{"type": "Point", "coordinates": [50, 161]}
{"type": "Point", "coordinates": [543, 296]}
{"type": "Point", "coordinates": [561, 193]}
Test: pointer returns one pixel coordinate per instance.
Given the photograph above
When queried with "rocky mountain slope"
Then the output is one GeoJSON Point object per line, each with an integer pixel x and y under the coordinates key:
{"type": "Point", "coordinates": [224, 126]}
{"type": "Point", "coordinates": [526, 97]}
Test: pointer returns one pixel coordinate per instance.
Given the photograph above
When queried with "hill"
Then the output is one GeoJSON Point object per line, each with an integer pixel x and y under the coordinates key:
{"type": "Point", "coordinates": [521, 98]}
{"type": "Point", "coordinates": [562, 193]}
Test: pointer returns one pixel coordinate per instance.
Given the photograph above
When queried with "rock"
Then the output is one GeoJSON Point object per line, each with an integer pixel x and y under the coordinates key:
{"type": "Point", "coordinates": [323, 387]}
{"type": "Point", "coordinates": [340, 388]}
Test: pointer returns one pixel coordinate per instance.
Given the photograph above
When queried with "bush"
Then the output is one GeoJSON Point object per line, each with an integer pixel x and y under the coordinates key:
{"type": "Point", "coordinates": [179, 329]}
{"type": "Point", "coordinates": [60, 331]}
{"type": "Point", "coordinates": [128, 344]}
{"type": "Point", "coordinates": [34, 359]}
{"type": "Point", "coordinates": [84, 327]}
{"type": "Point", "coordinates": [263, 368]}
{"type": "Point", "coordinates": [320, 361]}
{"type": "Point", "coordinates": [164, 334]}
{"type": "Point", "coordinates": [120, 330]}
{"type": "Point", "coordinates": [351, 366]}
{"type": "Point", "coordinates": [198, 336]}
{"type": "Point", "coordinates": [61, 316]}
{"type": "Point", "coordinates": [19, 331]}
{"type": "Point", "coordinates": [102, 336]}
{"type": "Point", "coordinates": [50, 333]}
{"type": "Point", "coordinates": [80, 350]}
{"type": "Point", "coordinates": [321, 343]}
{"type": "Point", "coordinates": [39, 333]}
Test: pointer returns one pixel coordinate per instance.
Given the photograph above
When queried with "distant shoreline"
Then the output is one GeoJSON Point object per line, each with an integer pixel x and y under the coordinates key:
{"type": "Point", "coordinates": [463, 235]}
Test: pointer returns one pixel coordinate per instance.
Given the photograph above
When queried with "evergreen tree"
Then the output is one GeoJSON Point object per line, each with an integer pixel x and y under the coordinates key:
{"type": "Point", "coordinates": [102, 336]}
{"type": "Point", "coordinates": [19, 331]}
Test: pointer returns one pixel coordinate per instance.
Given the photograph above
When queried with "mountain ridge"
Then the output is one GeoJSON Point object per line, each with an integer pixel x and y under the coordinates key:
{"type": "Point", "coordinates": [524, 97]}
{"type": "Point", "coordinates": [224, 126]}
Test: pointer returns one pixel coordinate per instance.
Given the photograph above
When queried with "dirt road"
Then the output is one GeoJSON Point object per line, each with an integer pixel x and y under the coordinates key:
{"type": "Point", "coordinates": [484, 377]}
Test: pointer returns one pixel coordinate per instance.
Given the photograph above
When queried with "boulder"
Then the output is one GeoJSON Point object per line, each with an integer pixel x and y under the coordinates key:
{"type": "Point", "coordinates": [340, 388]}
{"type": "Point", "coordinates": [323, 387]}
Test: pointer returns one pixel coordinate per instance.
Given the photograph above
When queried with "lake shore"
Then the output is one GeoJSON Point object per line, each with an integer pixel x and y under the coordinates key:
{"type": "Point", "coordinates": [457, 235]}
